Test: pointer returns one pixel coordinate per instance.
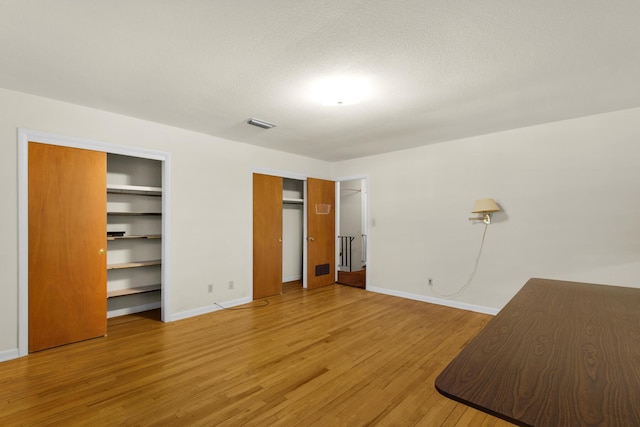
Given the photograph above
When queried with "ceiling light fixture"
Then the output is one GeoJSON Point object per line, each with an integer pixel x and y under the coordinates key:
{"type": "Point", "coordinates": [340, 90]}
{"type": "Point", "coordinates": [260, 123]}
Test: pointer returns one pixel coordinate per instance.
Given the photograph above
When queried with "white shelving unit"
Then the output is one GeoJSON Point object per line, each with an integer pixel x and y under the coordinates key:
{"type": "Point", "coordinates": [133, 264]}
{"type": "Point", "coordinates": [134, 224]}
{"type": "Point", "coordinates": [134, 189]}
{"type": "Point", "coordinates": [131, 236]}
{"type": "Point", "coordinates": [132, 291]}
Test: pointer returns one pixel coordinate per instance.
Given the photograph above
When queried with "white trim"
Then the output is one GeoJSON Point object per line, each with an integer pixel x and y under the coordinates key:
{"type": "Point", "coordinates": [209, 309]}
{"type": "Point", "coordinates": [9, 354]}
{"type": "Point", "coordinates": [336, 229]}
{"type": "Point", "coordinates": [23, 244]}
{"type": "Point", "coordinates": [130, 310]}
{"type": "Point", "coordinates": [26, 135]}
{"type": "Point", "coordinates": [352, 177]}
{"type": "Point", "coordinates": [438, 301]}
{"type": "Point", "coordinates": [250, 242]}
{"type": "Point", "coordinates": [366, 222]}
{"type": "Point", "coordinates": [277, 172]}
{"type": "Point", "coordinates": [165, 268]}
{"type": "Point", "coordinates": [305, 235]}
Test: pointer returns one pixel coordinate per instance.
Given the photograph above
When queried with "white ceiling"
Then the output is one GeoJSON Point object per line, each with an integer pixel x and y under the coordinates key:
{"type": "Point", "coordinates": [439, 69]}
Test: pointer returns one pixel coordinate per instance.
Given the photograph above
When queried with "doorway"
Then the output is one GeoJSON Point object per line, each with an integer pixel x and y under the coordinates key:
{"type": "Point", "coordinates": [353, 233]}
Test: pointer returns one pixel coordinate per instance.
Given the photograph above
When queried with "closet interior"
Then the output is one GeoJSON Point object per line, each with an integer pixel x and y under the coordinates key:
{"type": "Point", "coordinates": [134, 227]}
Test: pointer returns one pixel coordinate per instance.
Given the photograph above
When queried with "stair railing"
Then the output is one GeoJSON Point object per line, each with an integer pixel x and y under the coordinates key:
{"type": "Point", "coordinates": [345, 252]}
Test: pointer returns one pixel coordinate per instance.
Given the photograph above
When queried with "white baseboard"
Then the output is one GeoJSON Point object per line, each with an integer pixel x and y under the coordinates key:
{"type": "Point", "coordinates": [9, 354]}
{"type": "Point", "coordinates": [208, 309]}
{"type": "Point", "coordinates": [438, 301]}
{"type": "Point", "coordinates": [131, 310]}
{"type": "Point", "coordinates": [291, 278]}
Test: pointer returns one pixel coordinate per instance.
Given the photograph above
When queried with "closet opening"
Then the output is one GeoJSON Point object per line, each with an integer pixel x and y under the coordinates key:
{"type": "Point", "coordinates": [293, 232]}
{"type": "Point", "coordinates": [126, 199]}
{"type": "Point", "coordinates": [293, 217]}
{"type": "Point", "coordinates": [134, 234]}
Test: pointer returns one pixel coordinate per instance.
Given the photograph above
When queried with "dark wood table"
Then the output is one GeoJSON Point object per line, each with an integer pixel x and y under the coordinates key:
{"type": "Point", "coordinates": [558, 354]}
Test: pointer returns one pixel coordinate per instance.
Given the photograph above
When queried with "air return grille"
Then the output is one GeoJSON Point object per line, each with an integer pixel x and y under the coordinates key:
{"type": "Point", "coordinates": [260, 123]}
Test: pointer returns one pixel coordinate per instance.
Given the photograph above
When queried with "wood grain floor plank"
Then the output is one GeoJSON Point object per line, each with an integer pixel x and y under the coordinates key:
{"type": "Point", "coordinates": [332, 356]}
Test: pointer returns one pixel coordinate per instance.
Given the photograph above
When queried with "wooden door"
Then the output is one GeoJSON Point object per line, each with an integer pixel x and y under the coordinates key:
{"type": "Point", "coordinates": [67, 243]}
{"type": "Point", "coordinates": [267, 235]}
{"type": "Point", "coordinates": [321, 239]}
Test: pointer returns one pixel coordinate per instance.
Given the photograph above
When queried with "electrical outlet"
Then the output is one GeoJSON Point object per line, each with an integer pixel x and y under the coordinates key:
{"type": "Point", "coordinates": [230, 284]}
{"type": "Point", "coordinates": [210, 288]}
{"type": "Point", "coordinates": [430, 281]}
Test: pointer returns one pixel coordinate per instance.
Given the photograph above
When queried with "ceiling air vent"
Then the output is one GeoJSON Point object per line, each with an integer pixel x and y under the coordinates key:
{"type": "Point", "coordinates": [260, 123]}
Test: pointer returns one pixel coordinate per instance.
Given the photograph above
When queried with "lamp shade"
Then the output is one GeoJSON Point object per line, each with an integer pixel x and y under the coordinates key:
{"type": "Point", "coordinates": [485, 205]}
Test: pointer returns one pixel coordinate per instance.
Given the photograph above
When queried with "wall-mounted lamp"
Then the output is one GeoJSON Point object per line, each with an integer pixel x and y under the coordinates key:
{"type": "Point", "coordinates": [484, 207]}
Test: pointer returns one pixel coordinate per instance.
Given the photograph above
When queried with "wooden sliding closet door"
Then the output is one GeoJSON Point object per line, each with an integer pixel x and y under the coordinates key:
{"type": "Point", "coordinates": [67, 240]}
{"type": "Point", "coordinates": [267, 235]}
{"type": "Point", "coordinates": [321, 226]}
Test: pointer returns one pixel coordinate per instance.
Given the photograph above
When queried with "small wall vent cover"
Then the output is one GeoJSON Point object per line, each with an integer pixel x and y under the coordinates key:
{"type": "Point", "coordinates": [260, 123]}
{"type": "Point", "coordinates": [322, 269]}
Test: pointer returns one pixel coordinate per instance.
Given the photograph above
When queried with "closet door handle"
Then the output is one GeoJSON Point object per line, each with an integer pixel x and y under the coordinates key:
{"type": "Point", "coordinates": [280, 240]}
{"type": "Point", "coordinates": [311, 239]}
{"type": "Point", "coordinates": [101, 251]}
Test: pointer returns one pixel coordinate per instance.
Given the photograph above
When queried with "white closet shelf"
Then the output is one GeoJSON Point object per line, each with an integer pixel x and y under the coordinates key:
{"type": "Point", "coordinates": [133, 213]}
{"type": "Point", "coordinates": [133, 291]}
{"type": "Point", "coordinates": [132, 236]}
{"type": "Point", "coordinates": [134, 189]}
{"type": "Point", "coordinates": [133, 264]}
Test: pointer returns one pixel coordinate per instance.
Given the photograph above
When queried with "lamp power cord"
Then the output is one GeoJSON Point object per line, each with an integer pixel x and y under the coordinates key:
{"type": "Point", "coordinates": [471, 276]}
{"type": "Point", "coordinates": [263, 303]}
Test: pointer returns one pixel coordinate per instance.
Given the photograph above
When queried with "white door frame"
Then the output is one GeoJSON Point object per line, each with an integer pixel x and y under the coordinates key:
{"type": "Point", "coordinates": [27, 135]}
{"type": "Point", "coordinates": [365, 220]}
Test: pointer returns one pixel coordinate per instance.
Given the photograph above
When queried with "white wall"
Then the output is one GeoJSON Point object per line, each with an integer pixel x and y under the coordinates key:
{"type": "Point", "coordinates": [211, 198]}
{"type": "Point", "coordinates": [570, 191]}
{"type": "Point", "coordinates": [292, 240]}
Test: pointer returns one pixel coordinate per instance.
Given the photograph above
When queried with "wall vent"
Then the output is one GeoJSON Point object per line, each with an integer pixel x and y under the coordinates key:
{"type": "Point", "coordinates": [260, 123]}
{"type": "Point", "coordinates": [322, 269]}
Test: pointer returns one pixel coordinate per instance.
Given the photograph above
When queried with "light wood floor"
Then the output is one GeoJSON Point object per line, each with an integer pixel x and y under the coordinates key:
{"type": "Point", "coordinates": [328, 357]}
